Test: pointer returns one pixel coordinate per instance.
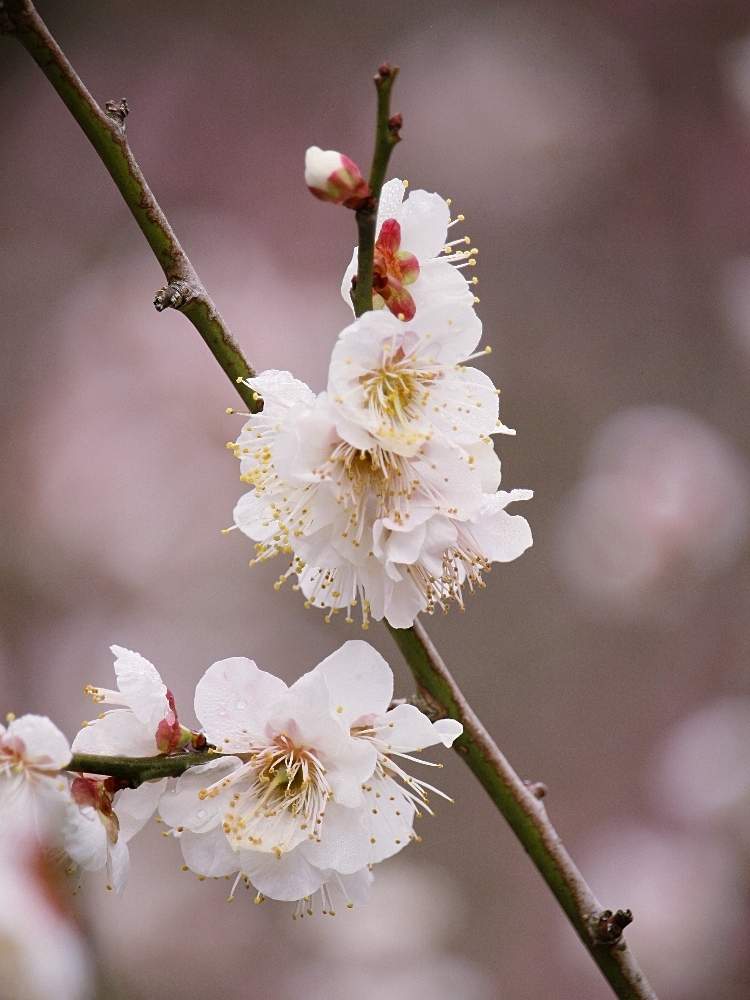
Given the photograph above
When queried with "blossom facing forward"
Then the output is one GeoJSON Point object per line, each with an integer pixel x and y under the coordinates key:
{"type": "Point", "coordinates": [414, 267]}
{"type": "Point", "coordinates": [312, 789]}
{"type": "Point", "coordinates": [381, 503]}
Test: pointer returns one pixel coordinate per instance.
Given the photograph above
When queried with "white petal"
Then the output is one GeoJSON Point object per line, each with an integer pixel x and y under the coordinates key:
{"type": "Point", "coordinates": [424, 224]}
{"type": "Point", "coordinates": [390, 204]}
{"type": "Point", "coordinates": [440, 283]}
{"type": "Point", "coordinates": [280, 388]}
{"type": "Point", "coordinates": [118, 865]}
{"type": "Point", "coordinates": [389, 816]}
{"type": "Point", "coordinates": [448, 730]}
{"type": "Point", "coordinates": [209, 853]}
{"type": "Point", "coordinates": [181, 804]}
{"type": "Point", "coordinates": [320, 164]}
{"type": "Point", "coordinates": [404, 603]}
{"type": "Point", "coordinates": [289, 877]}
{"type": "Point", "coordinates": [359, 681]}
{"type": "Point", "coordinates": [85, 838]}
{"type": "Point", "coordinates": [253, 517]}
{"type": "Point", "coordinates": [344, 841]}
{"type": "Point", "coordinates": [406, 729]}
{"type": "Point", "coordinates": [116, 733]}
{"type": "Point", "coordinates": [142, 687]}
{"type": "Point", "coordinates": [45, 746]}
{"type": "Point", "coordinates": [135, 806]}
{"type": "Point", "coordinates": [502, 537]}
{"type": "Point", "coordinates": [232, 699]}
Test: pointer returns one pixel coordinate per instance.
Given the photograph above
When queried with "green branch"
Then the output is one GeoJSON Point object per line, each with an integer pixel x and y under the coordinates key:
{"type": "Point", "coordinates": [386, 137]}
{"type": "Point", "coordinates": [105, 130]}
{"type": "Point", "coordinates": [136, 770]}
{"type": "Point", "coordinates": [599, 930]}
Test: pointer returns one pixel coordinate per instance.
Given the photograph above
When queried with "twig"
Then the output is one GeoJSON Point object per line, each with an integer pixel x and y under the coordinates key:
{"type": "Point", "coordinates": [387, 135]}
{"type": "Point", "coordinates": [136, 770]}
{"type": "Point", "coordinates": [105, 130]}
{"type": "Point", "coordinates": [519, 804]}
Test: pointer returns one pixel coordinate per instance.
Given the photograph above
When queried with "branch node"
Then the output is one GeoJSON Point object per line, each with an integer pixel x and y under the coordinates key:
{"type": "Point", "coordinates": [537, 788]}
{"type": "Point", "coordinates": [118, 111]}
{"type": "Point", "coordinates": [395, 124]}
{"type": "Point", "coordinates": [608, 926]}
{"type": "Point", "coordinates": [173, 296]}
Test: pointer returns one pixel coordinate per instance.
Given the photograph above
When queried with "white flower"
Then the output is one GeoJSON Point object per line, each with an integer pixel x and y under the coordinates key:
{"type": "Point", "coordinates": [420, 568]}
{"type": "Point", "coordinates": [414, 266]}
{"type": "Point", "coordinates": [42, 954]}
{"type": "Point", "coordinates": [33, 752]}
{"type": "Point", "coordinates": [364, 524]}
{"type": "Point", "coordinates": [299, 797]}
{"type": "Point", "coordinates": [399, 384]}
{"type": "Point", "coordinates": [101, 820]}
{"type": "Point", "coordinates": [394, 534]}
{"type": "Point", "coordinates": [331, 176]}
{"type": "Point", "coordinates": [145, 725]}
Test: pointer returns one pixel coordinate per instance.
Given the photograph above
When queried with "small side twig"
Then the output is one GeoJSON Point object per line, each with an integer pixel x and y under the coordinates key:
{"type": "Point", "coordinates": [387, 135]}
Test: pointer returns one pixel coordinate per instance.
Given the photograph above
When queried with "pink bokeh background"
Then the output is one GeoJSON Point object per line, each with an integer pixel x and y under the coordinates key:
{"type": "Point", "coordinates": [600, 153]}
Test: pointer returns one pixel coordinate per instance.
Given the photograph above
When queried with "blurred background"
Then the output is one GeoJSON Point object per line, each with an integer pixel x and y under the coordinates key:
{"type": "Point", "coordinates": [600, 152]}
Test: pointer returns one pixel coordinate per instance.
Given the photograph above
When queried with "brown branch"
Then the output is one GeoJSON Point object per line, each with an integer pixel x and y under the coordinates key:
{"type": "Point", "coordinates": [105, 130]}
{"type": "Point", "coordinates": [521, 805]}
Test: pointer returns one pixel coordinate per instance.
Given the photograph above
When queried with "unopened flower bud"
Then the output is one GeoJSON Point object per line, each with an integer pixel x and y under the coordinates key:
{"type": "Point", "coordinates": [331, 176]}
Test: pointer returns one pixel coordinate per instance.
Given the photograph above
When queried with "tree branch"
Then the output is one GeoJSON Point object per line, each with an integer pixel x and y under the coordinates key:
{"type": "Point", "coordinates": [105, 130]}
{"type": "Point", "coordinates": [136, 770]}
{"type": "Point", "coordinates": [386, 137]}
{"type": "Point", "coordinates": [518, 803]}
{"type": "Point", "coordinates": [522, 807]}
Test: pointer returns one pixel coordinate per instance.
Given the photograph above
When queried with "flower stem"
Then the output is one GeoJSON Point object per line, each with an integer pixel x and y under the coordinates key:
{"type": "Point", "coordinates": [105, 130]}
{"type": "Point", "coordinates": [386, 137]}
{"type": "Point", "coordinates": [518, 804]}
{"type": "Point", "coordinates": [136, 770]}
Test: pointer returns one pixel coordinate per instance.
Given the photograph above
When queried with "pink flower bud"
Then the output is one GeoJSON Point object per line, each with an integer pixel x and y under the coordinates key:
{"type": "Point", "coordinates": [169, 731]}
{"type": "Point", "coordinates": [331, 176]}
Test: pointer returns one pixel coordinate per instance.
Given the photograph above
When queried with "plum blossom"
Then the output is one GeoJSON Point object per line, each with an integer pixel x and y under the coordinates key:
{"type": "Point", "coordinates": [104, 817]}
{"type": "Point", "coordinates": [331, 176]}
{"type": "Point", "coordinates": [399, 384]}
{"type": "Point", "coordinates": [33, 753]}
{"type": "Point", "coordinates": [146, 722]}
{"type": "Point", "coordinates": [414, 266]}
{"type": "Point", "coordinates": [42, 953]}
{"type": "Point", "coordinates": [393, 533]}
{"type": "Point", "coordinates": [312, 788]}
{"type": "Point", "coordinates": [100, 821]}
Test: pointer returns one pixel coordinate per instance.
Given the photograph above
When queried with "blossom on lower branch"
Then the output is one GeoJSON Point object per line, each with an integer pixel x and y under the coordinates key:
{"type": "Point", "coordinates": [105, 814]}
{"type": "Point", "coordinates": [312, 790]}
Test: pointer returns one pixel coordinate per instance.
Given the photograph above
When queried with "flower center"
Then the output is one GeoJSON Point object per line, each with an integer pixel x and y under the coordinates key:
{"type": "Point", "coordinates": [288, 791]}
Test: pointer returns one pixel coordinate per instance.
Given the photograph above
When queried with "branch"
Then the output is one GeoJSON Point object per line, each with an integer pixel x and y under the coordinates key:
{"type": "Point", "coordinates": [518, 803]}
{"type": "Point", "coordinates": [136, 770]}
{"type": "Point", "coordinates": [105, 130]}
{"type": "Point", "coordinates": [521, 805]}
{"type": "Point", "coordinates": [386, 137]}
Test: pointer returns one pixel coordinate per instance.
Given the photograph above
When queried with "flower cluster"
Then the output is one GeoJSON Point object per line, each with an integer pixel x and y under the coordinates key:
{"type": "Point", "coordinates": [90, 817]}
{"type": "Point", "coordinates": [384, 489]}
{"type": "Point", "coordinates": [298, 791]}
